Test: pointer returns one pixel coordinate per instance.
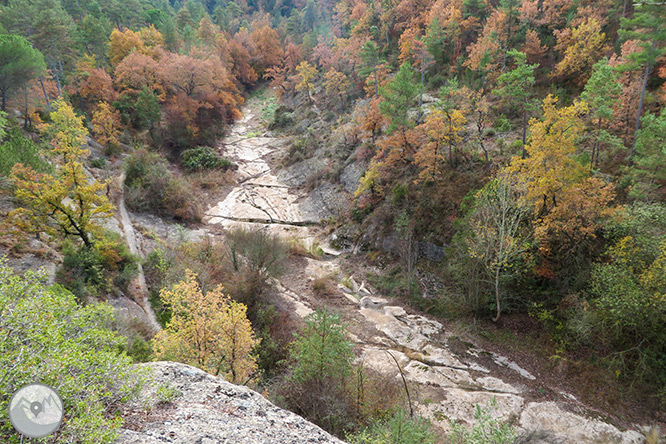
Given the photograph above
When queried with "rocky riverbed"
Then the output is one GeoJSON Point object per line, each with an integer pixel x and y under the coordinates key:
{"type": "Point", "coordinates": [451, 378]}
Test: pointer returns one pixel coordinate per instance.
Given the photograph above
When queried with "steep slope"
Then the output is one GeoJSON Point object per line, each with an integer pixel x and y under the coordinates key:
{"type": "Point", "coordinates": [449, 378]}
{"type": "Point", "coordinates": [204, 409]}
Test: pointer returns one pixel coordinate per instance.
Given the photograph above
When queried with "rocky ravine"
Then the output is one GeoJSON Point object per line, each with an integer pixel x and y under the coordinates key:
{"type": "Point", "coordinates": [448, 377]}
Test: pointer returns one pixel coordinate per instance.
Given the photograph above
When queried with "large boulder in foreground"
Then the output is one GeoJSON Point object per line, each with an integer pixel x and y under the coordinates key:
{"type": "Point", "coordinates": [183, 404]}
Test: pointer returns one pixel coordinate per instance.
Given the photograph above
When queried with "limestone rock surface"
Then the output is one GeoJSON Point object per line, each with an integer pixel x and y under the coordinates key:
{"type": "Point", "coordinates": [204, 409]}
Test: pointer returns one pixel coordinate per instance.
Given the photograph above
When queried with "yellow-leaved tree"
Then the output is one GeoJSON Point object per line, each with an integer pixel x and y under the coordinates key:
{"type": "Point", "coordinates": [106, 124]}
{"type": "Point", "coordinates": [67, 202]}
{"type": "Point", "coordinates": [550, 168]}
{"type": "Point", "coordinates": [305, 77]}
{"type": "Point", "coordinates": [569, 205]}
{"type": "Point", "coordinates": [210, 331]}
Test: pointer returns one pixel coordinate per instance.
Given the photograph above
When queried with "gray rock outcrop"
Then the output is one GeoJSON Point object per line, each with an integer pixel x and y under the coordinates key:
{"type": "Point", "coordinates": [204, 409]}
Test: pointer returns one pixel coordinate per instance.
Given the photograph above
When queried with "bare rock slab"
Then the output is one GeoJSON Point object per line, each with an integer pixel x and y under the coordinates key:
{"type": "Point", "coordinates": [573, 428]}
{"type": "Point", "coordinates": [211, 410]}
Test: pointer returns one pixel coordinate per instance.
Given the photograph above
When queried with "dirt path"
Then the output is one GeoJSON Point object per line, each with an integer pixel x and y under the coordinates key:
{"type": "Point", "coordinates": [450, 377]}
{"type": "Point", "coordinates": [140, 290]}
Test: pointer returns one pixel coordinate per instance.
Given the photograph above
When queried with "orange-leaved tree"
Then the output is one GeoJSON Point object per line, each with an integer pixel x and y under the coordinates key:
{"type": "Point", "coordinates": [442, 128]}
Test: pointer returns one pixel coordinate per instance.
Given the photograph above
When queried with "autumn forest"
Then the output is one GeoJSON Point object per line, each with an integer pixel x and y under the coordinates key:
{"type": "Point", "coordinates": [510, 180]}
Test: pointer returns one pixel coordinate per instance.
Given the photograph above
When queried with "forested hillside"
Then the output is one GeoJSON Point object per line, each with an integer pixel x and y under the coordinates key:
{"type": "Point", "coordinates": [500, 163]}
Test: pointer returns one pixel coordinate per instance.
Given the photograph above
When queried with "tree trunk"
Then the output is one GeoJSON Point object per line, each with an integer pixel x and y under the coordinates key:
{"type": "Point", "coordinates": [418, 117]}
{"type": "Point", "coordinates": [450, 153]}
{"type": "Point", "coordinates": [485, 151]}
{"type": "Point", "coordinates": [479, 130]}
{"type": "Point", "coordinates": [4, 98]}
{"type": "Point", "coordinates": [640, 109]}
{"type": "Point", "coordinates": [57, 79]}
{"type": "Point", "coordinates": [46, 96]}
{"type": "Point", "coordinates": [25, 114]}
{"type": "Point", "coordinates": [524, 130]}
{"type": "Point", "coordinates": [596, 147]}
{"type": "Point", "coordinates": [497, 297]}
{"type": "Point", "coordinates": [376, 83]}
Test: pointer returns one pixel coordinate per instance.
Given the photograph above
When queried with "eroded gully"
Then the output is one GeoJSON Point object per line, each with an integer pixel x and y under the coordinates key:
{"type": "Point", "coordinates": [448, 378]}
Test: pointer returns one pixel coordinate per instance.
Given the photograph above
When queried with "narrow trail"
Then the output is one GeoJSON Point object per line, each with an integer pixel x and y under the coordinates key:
{"type": "Point", "coordinates": [140, 292]}
{"type": "Point", "coordinates": [449, 376]}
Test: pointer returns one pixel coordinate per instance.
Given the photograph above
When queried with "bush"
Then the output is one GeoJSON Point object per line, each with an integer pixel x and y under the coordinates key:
{"type": "Point", "coordinates": [139, 349]}
{"type": "Point", "coordinates": [90, 272]}
{"type": "Point", "coordinates": [629, 307]}
{"type": "Point", "coordinates": [19, 149]}
{"type": "Point", "coordinates": [502, 124]}
{"type": "Point", "coordinates": [282, 118]}
{"type": "Point", "coordinates": [487, 430]}
{"type": "Point", "coordinates": [400, 193]}
{"type": "Point", "coordinates": [141, 166]}
{"type": "Point", "coordinates": [180, 200]}
{"type": "Point", "coordinates": [100, 162]}
{"type": "Point", "coordinates": [322, 286]}
{"type": "Point", "coordinates": [203, 158]}
{"type": "Point", "coordinates": [261, 252]}
{"type": "Point", "coordinates": [151, 187]}
{"type": "Point", "coordinates": [322, 362]}
{"type": "Point", "coordinates": [70, 348]}
{"type": "Point", "coordinates": [301, 149]}
{"type": "Point", "coordinates": [516, 146]}
{"type": "Point", "coordinates": [398, 428]}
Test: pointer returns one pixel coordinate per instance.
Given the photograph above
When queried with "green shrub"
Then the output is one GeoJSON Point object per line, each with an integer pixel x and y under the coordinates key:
{"type": "Point", "coordinates": [69, 347]}
{"type": "Point", "coordinates": [322, 363]}
{"type": "Point", "coordinates": [502, 124]}
{"type": "Point", "coordinates": [268, 111]}
{"type": "Point", "coordinates": [301, 149]}
{"type": "Point", "coordinates": [400, 192]}
{"type": "Point", "coordinates": [629, 307]}
{"type": "Point", "coordinates": [282, 118]}
{"type": "Point", "coordinates": [625, 310]}
{"type": "Point", "coordinates": [19, 149]}
{"type": "Point", "coordinates": [142, 165]}
{"type": "Point", "coordinates": [107, 266]}
{"type": "Point", "coordinates": [516, 146]}
{"type": "Point", "coordinates": [489, 132]}
{"type": "Point", "coordinates": [139, 349]}
{"type": "Point", "coordinates": [487, 430]}
{"type": "Point", "coordinates": [100, 162]}
{"type": "Point", "coordinates": [151, 187]}
{"type": "Point", "coordinates": [398, 428]}
{"type": "Point", "coordinates": [203, 158]}
{"type": "Point", "coordinates": [261, 252]}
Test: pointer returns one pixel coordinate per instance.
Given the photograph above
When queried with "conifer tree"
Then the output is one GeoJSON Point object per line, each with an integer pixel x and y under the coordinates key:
{"type": "Point", "coordinates": [648, 26]}
{"type": "Point", "coordinates": [19, 63]}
